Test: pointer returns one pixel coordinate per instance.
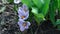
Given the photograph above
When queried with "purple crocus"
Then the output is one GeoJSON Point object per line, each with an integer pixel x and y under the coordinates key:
{"type": "Point", "coordinates": [23, 12]}
{"type": "Point", "coordinates": [23, 24]}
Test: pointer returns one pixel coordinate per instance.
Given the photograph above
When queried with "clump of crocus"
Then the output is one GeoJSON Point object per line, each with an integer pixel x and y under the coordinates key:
{"type": "Point", "coordinates": [17, 1]}
{"type": "Point", "coordinates": [23, 14]}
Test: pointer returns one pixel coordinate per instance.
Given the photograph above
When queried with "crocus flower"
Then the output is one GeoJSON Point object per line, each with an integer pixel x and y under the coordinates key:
{"type": "Point", "coordinates": [23, 24]}
{"type": "Point", "coordinates": [17, 1]}
{"type": "Point", "coordinates": [23, 12]}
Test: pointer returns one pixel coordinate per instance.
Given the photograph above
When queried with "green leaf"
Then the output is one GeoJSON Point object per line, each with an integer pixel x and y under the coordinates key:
{"type": "Point", "coordinates": [27, 2]}
{"type": "Point", "coordinates": [15, 8]}
{"type": "Point", "coordinates": [39, 18]}
{"type": "Point", "coordinates": [58, 22]}
{"type": "Point", "coordinates": [38, 3]}
{"type": "Point", "coordinates": [10, 1]}
{"type": "Point", "coordinates": [45, 7]}
{"type": "Point", "coordinates": [53, 8]}
{"type": "Point", "coordinates": [58, 4]}
{"type": "Point", "coordinates": [34, 10]}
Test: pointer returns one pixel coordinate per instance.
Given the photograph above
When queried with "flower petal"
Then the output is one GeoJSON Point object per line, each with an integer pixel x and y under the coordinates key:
{"type": "Point", "coordinates": [27, 26]}
{"type": "Point", "coordinates": [21, 11]}
{"type": "Point", "coordinates": [28, 23]}
{"type": "Point", "coordinates": [22, 28]}
{"type": "Point", "coordinates": [17, 1]}
{"type": "Point", "coordinates": [20, 22]}
{"type": "Point", "coordinates": [25, 7]}
{"type": "Point", "coordinates": [26, 16]}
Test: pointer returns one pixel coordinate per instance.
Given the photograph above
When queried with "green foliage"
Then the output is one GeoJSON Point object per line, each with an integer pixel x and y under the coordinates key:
{"type": "Point", "coordinates": [10, 1]}
{"type": "Point", "coordinates": [38, 16]}
{"type": "Point", "coordinates": [38, 3]}
{"type": "Point", "coordinates": [53, 7]}
{"type": "Point", "coordinates": [34, 10]}
{"type": "Point", "coordinates": [58, 4]}
{"type": "Point", "coordinates": [58, 22]}
{"type": "Point", "coordinates": [27, 2]}
{"type": "Point", "coordinates": [39, 8]}
{"type": "Point", "coordinates": [45, 7]}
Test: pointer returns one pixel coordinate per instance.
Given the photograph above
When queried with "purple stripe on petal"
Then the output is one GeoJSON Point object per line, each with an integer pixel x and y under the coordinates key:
{"type": "Point", "coordinates": [21, 11]}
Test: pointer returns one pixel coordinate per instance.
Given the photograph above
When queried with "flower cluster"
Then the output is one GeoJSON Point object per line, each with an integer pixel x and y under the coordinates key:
{"type": "Point", "coordinates": [23, 14]}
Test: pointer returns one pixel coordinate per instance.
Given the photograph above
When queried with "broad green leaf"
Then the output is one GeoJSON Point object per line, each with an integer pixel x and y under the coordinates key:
{"type": "Point", "coordinates": [39, 18]}
{"type": "Point", "coordinates": [27, 2]}
{"type": "Point", "coordinates": [38, 3]}
{"type": "Point", "coordinates": [53, 8]}
{"type": "Point", "coordinates": [52, 16]}
{"type": "Point", "coordinates": [45, 7]}
{"type": "Point", "coordinates": [35, 10]}
{"type": "Point", "coordinates": [39, 15]}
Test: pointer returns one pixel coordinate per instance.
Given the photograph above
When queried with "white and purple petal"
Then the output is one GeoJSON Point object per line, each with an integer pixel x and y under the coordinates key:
{"type": "Point", "coordinates": [21, 11]}
{"type": "Point", "coordinates": [27, 26]}
{"type": "Point", "coordinates": [20, 22]}
{"type": "Point", "coordinates": [17, 1]}
{"type": "Point", "coordinates": [22, 28]}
